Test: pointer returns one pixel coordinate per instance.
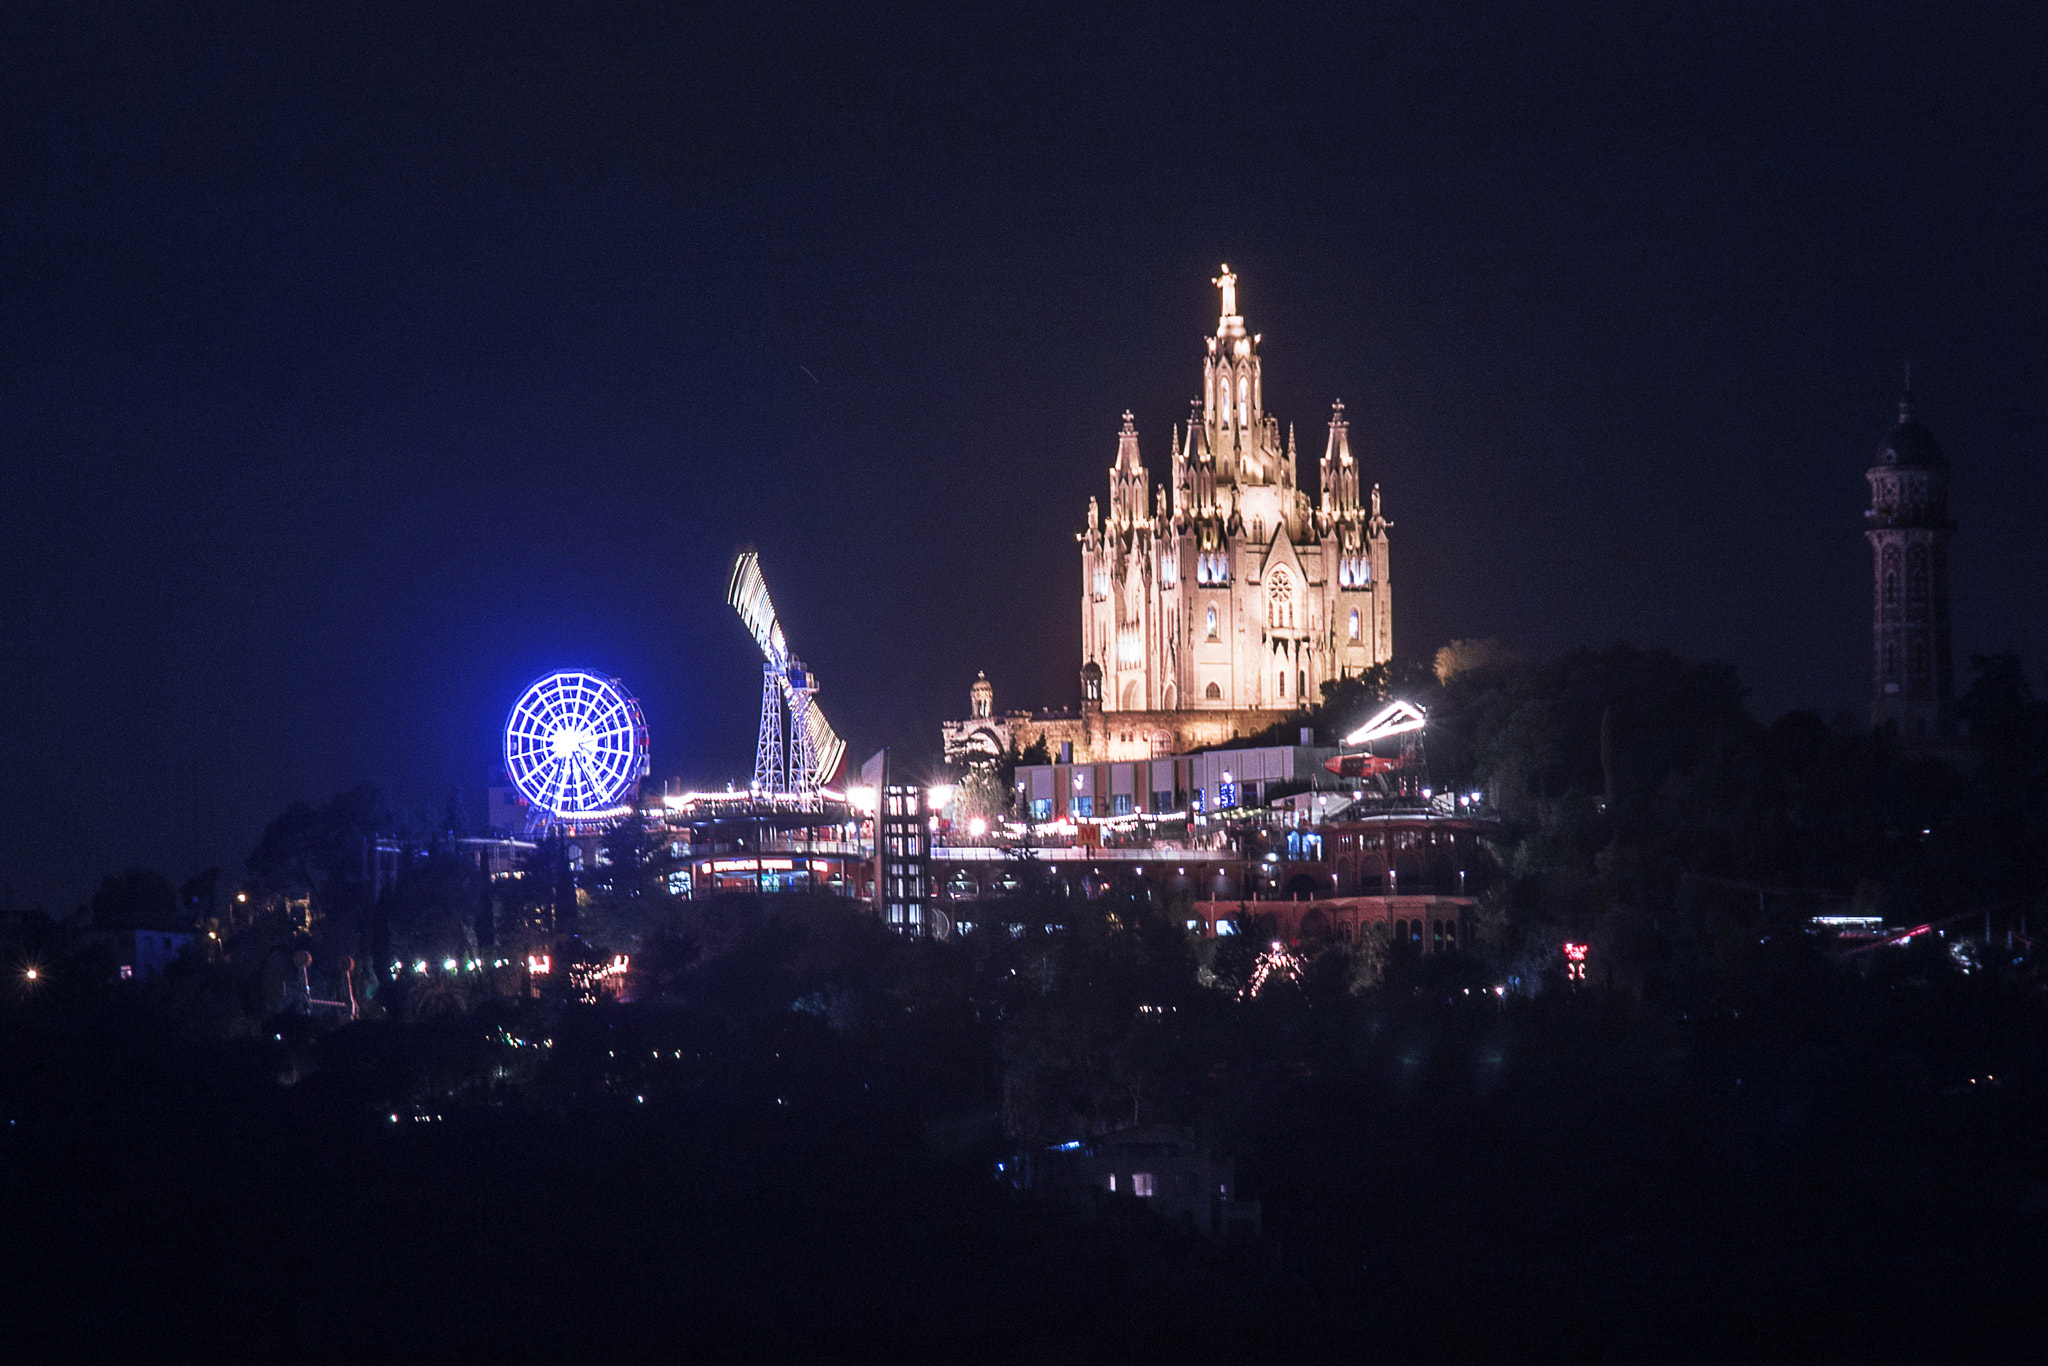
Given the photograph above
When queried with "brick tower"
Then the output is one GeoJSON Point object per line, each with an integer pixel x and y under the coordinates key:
{"type": "Point", "coordinates": [1908, 528]}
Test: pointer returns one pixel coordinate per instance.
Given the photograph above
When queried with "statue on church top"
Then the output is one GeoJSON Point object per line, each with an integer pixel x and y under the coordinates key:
{"type": "Point", "coordinates": [1227, 282]}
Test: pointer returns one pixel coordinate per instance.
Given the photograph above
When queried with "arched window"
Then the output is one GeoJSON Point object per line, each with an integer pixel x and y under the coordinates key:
{"type": "Point", "coordinates": [1916, 580]}
{"type": "Point", "coordinates": [1891, 662]}
{"type": "Point", "coordinates": [1354, 623]}
{"type": "Point", "coordinates": [1280, 598]}
{"type": "Point", "coordinates": [1300, 684]}
{"type": "Point", "coordinates": [1244, 402]}
{"type": "Point", "coordinates": [1209, 619]}
{"type": "Point", "coordinates": [1283, 684]}
{"type": "Point", "coordinates": [1213, 693]}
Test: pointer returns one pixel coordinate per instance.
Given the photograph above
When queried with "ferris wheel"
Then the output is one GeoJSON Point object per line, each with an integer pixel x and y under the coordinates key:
{"type": "Point", "coordinates": [576, 745]}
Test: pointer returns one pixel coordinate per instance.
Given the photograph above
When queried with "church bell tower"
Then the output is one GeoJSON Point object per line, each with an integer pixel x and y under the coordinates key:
{"type": "Point", "coordinates": [1908, 527]}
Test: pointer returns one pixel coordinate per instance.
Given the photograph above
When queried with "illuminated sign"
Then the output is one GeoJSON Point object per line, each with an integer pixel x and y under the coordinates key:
{"type": "Point", "coordinates": [751, 865]}
{"type": "Point", "coordinates": [1575, 961]}
{"type": "Point", "coordinates": [537, 964]}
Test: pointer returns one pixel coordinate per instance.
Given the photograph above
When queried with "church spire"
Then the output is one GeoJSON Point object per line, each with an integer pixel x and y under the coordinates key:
{"type": "Point", "coordinates": [1127, 492]}
{"type": "Point", "coordinates": [1339, 471]}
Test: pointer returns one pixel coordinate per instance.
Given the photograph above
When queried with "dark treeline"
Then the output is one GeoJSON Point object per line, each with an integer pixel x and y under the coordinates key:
{"type": "Point", "coordinates": [785, 1143]}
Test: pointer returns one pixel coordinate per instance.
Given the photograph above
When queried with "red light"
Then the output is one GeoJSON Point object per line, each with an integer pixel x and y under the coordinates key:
{"type": "Point", "coordinates": [1576, 953]}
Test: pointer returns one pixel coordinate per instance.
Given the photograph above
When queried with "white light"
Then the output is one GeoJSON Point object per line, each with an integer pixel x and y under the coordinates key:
{"type": "Point", "coordinates": [447, 965]}
{"type": "Point", "coordinates": [939, 795]}
{"type": "Point", "coordinates": [575, 744]}
{"type": "Point", "coordinates": [420, 966]}
{"type": "Point", "coordinates": [1396, 718]}
{"type": "Point", "coordinates": [977, 827]}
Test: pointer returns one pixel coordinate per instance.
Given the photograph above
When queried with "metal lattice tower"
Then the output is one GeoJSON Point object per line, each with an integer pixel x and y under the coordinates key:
{"type": "Point", "coordinates": [814, 751]}
{"type": "Point", "coordinates": [768, 770]}
{"type": "Point", "coordinates": [804, 778]}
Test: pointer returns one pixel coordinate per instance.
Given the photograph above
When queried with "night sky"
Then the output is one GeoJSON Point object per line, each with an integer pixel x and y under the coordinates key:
{"type": "Point", "coordinates": [362, 366]}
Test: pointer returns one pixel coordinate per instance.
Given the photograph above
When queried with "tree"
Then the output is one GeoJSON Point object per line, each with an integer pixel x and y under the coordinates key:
{"type": "Point", "coordinates": [140, 898]}
{"type": "Point", "coordinates": [318, 852]}
{"type": "Point", "coordinates": [1465, 656]}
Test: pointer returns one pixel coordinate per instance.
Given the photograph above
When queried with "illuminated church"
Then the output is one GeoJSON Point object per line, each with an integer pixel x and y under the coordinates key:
{"type": "Point", "coordinates": [1224, 599]}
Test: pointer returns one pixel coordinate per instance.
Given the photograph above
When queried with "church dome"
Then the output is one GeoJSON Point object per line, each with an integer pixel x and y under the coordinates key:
{"type": "Point", "coordinates": [1910, 443]}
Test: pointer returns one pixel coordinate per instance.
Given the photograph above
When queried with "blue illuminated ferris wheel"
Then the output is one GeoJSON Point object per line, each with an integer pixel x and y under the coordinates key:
{"type": "Point", "coordinates": [576, 746]}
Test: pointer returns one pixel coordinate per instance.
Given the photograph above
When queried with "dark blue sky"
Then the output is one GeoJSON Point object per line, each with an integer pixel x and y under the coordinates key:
{"type": "Point", "coordinates": [361, 366]}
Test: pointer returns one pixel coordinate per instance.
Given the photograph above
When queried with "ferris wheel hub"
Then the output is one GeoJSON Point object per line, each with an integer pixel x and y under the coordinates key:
{"type": "Point", "coordinates": [576, 747]}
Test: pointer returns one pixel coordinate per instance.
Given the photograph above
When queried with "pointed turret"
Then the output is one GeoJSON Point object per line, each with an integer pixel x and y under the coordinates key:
{"type": "Point", "coordinates": [1339, 471]}
{"type": "Point", "coordinates": [1180, 473]}
{"type": "Point", "coordinates": [1128, 499]}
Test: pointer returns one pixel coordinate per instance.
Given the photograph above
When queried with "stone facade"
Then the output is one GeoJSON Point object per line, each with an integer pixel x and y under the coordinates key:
{"type": "Point", "coordinates": [1908, 527]}
{"type": "Point", "coordinates": [1224, 600]}
{"type": "Point", "coordinates": [1229, 590]}
{"type": "Point", "coordinates": [1092, 736]}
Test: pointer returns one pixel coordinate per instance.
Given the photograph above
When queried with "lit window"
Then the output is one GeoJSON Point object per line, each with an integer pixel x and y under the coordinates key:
{"type": "Point", "coordinates": [1112, 1181]}
{"type": "Point", "coordinates": [1141, 1184]}
{"type": "Point", "coordinates": [1354, 623]}
{"type": "Point", "coordinates": [1210, 619]}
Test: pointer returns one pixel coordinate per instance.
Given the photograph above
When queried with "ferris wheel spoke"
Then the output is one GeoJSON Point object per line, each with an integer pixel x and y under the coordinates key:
{"type": "Point", "coordinates": [574, 743]}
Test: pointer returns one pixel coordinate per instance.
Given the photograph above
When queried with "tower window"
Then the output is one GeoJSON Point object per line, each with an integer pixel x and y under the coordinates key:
{"type": "Point", "coordinates": [1213, 693]}
{"type": "Point", "coordinates": [1209, 619]}
{"type": "Point", "coordinates": [1354, 623]}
